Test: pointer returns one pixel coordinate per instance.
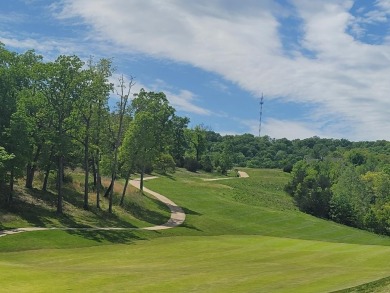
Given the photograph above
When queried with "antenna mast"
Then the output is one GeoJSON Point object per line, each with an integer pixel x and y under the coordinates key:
{"type": "Point", "coordinates": [261, 112]}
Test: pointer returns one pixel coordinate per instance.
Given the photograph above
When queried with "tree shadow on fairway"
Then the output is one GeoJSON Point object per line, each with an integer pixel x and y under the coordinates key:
{"type": "Point", "coordinates": [190, 212]}
{"type": "Point", "coordinates": [375, 286]}
{"type": "Point", "coordinates": [41, 215]}
{"type": "Point", "coordinates": [192, 227]}
{"type": "Point", "coordinates": [147, 215]}
{"type": "Point", "coordinates": [112, 236]}
{"type": "Point", "coordinates": [169, 176]}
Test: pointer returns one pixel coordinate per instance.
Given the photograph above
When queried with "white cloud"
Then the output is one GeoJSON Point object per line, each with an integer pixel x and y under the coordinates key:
{"type": "Point", "coordinates": [289, 129]}
{"type": "Point", "coordinates": [345, 78]}
{"type": "Point", "coordinates": [182, 100]}
{"type": "Point", "coordinates": [50, 48]}
{"type": "Point", "coordinates": [12, 18]}
{"type": "Point", "coordinates": [220, 86]}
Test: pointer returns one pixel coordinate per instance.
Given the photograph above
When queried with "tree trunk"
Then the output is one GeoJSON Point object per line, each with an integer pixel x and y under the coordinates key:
{"type": "Point", "coordinates": [86, 166]}
{"type": "Point", "coordinates": [111, 193]}
{"type": "Point", "coordinates": [46, 178]}
{"type": "Point", "coordinates": [114, 167]}
{"type": "Point", "coordinates": [47, 171]}
{"type": "Point", "coordinates": [141, 184]}
{"type": "Point", "coordinates": [99, 181]}
{"type": "Point", "coordinates": [11, 186]}
{"type": "Point", "coordinates": [125, 187]}
{"type": "Point", "coordinates": [98, 177]}
{"type": "Point", "coordinates": [59, 183]}
{"type": "Point", "coordinates": [94, 172]}
{"type": "Point", "coordinates": [107, 193]}
{"type": "Point", "coordinates": [31, 168]}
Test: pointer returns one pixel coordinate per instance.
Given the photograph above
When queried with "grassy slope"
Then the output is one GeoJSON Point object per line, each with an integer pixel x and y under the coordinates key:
{"type": "Point", "coordinates": [255, 239]}
{"type": "Point", "coordinates": [37, 208]}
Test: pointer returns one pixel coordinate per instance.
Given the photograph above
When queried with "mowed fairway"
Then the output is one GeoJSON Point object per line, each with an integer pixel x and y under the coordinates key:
{"type": "Point", "coordinates": [240, 235]}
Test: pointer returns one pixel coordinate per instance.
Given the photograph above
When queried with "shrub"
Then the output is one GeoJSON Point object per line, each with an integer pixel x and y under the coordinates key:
{"type": "Point", "coordinates": [206, 163]}
{"type": "Point", "coordinates": [191, 164]}
{"type": "Point", "coordinates": [288, 168]}
{"type": "Point", "coordinates": [165, 164]}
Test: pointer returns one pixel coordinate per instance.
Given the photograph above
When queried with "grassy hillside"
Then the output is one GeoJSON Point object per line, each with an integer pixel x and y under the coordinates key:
{"type": "Point", "coordinates": [37, 208]}
{"type": "Point", "coordinates": [240, 235]}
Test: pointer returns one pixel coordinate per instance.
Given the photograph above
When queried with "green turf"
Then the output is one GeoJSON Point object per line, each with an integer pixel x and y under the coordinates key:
{"type": "Point", "coordinates": [203, 264]}
{"type": "Point", "coordinates": [240, 235]}
{"type": "Point", "coordinates": [38, 208]}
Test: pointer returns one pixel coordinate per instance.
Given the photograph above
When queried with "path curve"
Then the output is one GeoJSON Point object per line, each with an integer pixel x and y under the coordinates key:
{"type": "Point", "coordinates": [177, 214]}
{"type": "Point", "coordinates": [177, 217]}
{"type": "Point", "coordinates": [243, 174]}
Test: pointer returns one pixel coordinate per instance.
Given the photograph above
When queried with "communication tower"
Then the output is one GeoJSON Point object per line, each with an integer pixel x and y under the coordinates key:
{"type": "Point", "coordinates": [261, 112]}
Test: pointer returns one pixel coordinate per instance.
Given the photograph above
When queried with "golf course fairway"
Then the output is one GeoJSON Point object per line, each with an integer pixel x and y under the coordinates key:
{"type": "Point", "coordinates": [236, 238]}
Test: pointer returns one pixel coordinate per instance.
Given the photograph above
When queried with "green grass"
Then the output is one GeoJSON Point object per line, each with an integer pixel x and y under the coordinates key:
{"type": "Point", "coordinates": [37, 208]}
{"type": "Point", "coordinates": [185, 264]}
{"type": "Point", "coordinates": [240, 235]}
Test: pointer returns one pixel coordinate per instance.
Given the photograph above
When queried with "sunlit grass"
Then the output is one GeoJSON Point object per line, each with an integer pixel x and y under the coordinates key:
{"type": "Point", "coordinates": [240, 235]}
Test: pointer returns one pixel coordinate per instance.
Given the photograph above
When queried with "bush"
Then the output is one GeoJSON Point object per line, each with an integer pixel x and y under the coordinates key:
{"type": "Point", "coordinates": [148, 168]}
{"type": "Point", "coordinates": [165, 164]}
{"type": "Point", "coordinates": [206, 163]}
{"type": "Point", "coordinates": [191, 164]}
{"type": "Point", "coordinates": [288, 168]}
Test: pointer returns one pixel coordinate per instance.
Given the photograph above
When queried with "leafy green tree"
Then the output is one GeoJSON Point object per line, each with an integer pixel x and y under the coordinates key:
{"type": "Point", "coordinates": [225, 158]}
{"type": "Point", "coordinates": [15, 76]}
{"type": "Point", "coordinates": [120, 116]}
{"type": "Point", "coordinates": [19, 147]}
{"type": "Point", "coordinates": [377, 217]}
{"type": "Point", "coordinates": [4, 160]}
{"type": "Point", "coordinates": [8, 89]}
{"type": "Point", "coordinates": [179, 143]}
{"type": "Point", "coordinates": [94, 91]}
{"type": "Point", "coordinates": [311, 187]}
{"type": "Point", "coordinates": [62, 89]}
{"type": "Point", "coordinates": [349, 202]}
{"type": "Point", "coordinates": [153, 127]}
{"type": "Point", "coordinates": [197, 141]}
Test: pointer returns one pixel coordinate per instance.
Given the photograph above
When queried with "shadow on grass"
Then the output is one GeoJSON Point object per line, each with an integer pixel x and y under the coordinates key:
{"type": "Point", "coordinates": [169, 176]}
{"type": "Point", "coordinates": [41, 211]}
{"type": "Point", "coordinates": [368, 287]}
{"type": "Point", "coordinates": [105, 219]}
{"type": "Point", "coordinates": [40, 216]}
{"type": "Point", "coordinates": [191, 212]}
{"type": "Point", "coordinates": [189, 226]}
{"type": "Point", "coordinates": [112, 236]}
{"type": "Point", "coordinates": [147, 215]}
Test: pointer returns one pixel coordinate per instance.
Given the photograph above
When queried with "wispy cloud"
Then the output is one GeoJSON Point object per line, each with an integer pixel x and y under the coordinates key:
{"type": "Point", "coordinates": [12, 18]}
{"type": "Point", "coordinates": [277, 128]}
{"type": "Point", "coordinates": [347, 78]}
{"type": "Point", "coordinates": [181, 99]}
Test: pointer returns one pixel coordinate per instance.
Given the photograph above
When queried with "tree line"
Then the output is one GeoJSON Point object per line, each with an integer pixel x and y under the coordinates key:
{"type": "Point", "coordinates": [352, 188]}
{"type": "Point", "coordinates": [56, 115]}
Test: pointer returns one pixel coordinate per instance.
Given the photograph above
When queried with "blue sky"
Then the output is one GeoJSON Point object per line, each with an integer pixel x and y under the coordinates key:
{"type": "Point", "coordinates": [323, 66]}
